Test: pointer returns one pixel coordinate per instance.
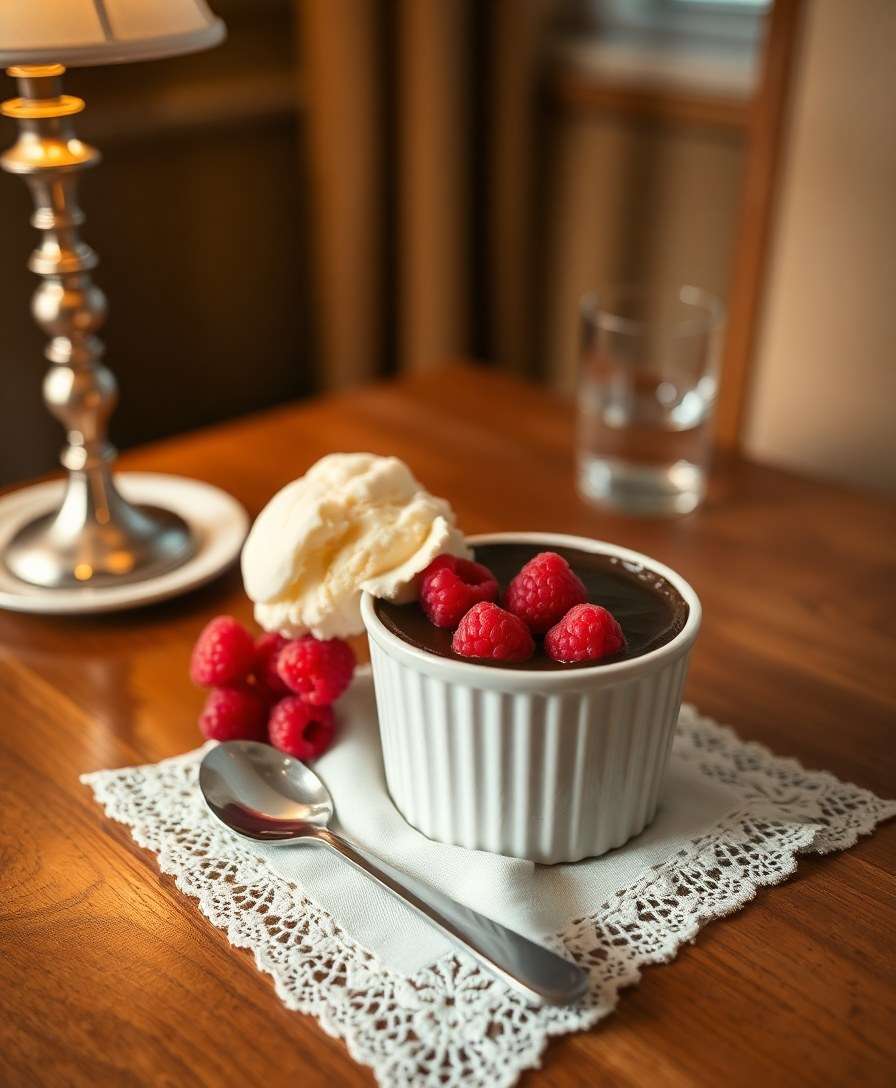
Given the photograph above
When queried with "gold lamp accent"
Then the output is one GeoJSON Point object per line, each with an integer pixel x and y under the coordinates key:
{"type": "Point", "coordinates": [95, 537]}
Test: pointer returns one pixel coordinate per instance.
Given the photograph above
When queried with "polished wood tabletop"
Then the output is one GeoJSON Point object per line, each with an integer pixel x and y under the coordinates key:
{"type": "Point", "coordinates": [109, 976]}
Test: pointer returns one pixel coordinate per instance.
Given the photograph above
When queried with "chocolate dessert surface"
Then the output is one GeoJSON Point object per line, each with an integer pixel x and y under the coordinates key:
{"type": "Point", "coordinates": [648, 607]}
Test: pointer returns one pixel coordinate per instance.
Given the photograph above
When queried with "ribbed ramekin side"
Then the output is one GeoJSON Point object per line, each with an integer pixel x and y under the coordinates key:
{"type": "Point", "coordinates": [665, 724]}
{"type": "Point", "coordinates": [549, 777]}
{"type": "Point", "coordinates": [628, 737]}
{"type": "Point", "coordinates": [392, 715]}
{"type": "Point", "coordinates": [494, 752]}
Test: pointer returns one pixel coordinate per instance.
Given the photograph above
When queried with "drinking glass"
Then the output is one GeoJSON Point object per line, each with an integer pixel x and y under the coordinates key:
{"type": "Point", "coordinates": [647, 389]}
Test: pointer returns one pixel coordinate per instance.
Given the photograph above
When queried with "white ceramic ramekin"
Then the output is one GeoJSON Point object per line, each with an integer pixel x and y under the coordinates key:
{"type": "Point", "coordinates": [550, 766]}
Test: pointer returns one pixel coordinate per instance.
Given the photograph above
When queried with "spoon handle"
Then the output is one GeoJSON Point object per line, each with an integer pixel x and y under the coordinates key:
{"type": "Point", "coordinates": [535, 971]}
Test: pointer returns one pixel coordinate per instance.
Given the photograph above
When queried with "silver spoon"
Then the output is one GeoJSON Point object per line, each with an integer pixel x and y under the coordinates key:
{"type": "Point", "coordinates": [264, 795]}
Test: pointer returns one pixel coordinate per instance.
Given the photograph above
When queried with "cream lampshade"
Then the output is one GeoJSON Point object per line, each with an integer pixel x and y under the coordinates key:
{"type": "Point", "coordinates": [95, 539]}
{"type": "Point", "coordinates": [78, 32]}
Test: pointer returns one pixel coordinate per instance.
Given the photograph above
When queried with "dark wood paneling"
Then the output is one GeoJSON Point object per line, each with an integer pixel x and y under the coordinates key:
{"type": "Point", "coordinates": [765, 145]}
{"type": "Point", "coordinates": [580, 94]}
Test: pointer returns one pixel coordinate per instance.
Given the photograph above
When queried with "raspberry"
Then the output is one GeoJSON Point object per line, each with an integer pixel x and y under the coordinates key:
{"type": "Point", "coordinates": [267, 650]}
{"type": "Point", "coordinates": [586, 633]}
{"type": "Point", "coordinates": [544, 591]}
{"type": "Point", "coordinates": [450, 587]}
{"type": "Point", "coordinates": [223, 653]}
{"type": "Point", "coordinates": [317, 670]}
{"type": "Point", "coordinates": [303, 731]}
{"type": "Point", "coordinates": [233, 714]}
{"type": "Point", "coordinates": [490, 632]}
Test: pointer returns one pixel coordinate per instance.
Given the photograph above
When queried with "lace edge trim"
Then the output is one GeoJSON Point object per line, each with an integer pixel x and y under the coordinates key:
{"type": "Point", "coordinates": [247, 931]}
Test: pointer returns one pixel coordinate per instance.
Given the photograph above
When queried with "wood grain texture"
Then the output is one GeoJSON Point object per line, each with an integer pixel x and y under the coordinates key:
{"type": "Point", "coordinates": [433, 183]}
{"type": "Point", "coordinates": [577, 92]}
{"type": "Point", "coordinates": [765, 144]}
{"type": "Point", "coordinates": [109, 976]}
{"type": "Point", "coordinates": [344, 110]}
{"type": "Point", "coordinates": [517, 163]}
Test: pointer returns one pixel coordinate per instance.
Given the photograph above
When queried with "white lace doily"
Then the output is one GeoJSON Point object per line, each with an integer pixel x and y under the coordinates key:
{"type": "Point", "coordinates": [451, 1024]}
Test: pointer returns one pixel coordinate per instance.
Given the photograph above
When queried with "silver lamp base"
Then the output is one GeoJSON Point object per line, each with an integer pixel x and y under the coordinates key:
{"type": "Point", "coordinates": [96, 538]}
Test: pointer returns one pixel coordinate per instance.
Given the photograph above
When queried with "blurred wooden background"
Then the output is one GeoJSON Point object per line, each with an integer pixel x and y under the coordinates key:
{"type": "Point", "coordinates": [354, 187]}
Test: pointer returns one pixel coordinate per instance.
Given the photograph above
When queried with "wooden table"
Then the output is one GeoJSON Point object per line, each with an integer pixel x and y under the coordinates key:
{"type": "Point", "coordinates": [109, 976]}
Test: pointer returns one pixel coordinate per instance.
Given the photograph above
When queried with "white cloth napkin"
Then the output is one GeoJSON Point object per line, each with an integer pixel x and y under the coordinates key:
{"type": "Point", "coordinates": [733, 817]}
{"type": "Point", "coordinates": [537, 900]}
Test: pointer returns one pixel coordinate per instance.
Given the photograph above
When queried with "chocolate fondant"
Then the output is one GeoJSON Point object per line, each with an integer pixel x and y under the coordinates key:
{"type": "Point", "coordinates": [648, 607]}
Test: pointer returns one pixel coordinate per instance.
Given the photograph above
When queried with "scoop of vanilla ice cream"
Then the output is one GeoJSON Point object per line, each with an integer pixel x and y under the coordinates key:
{"type": "Point", "coordinates": [353, 522]}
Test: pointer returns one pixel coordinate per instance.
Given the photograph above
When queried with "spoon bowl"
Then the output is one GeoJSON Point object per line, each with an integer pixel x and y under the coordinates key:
{"type": "Point", "coordinates": [261, 793]}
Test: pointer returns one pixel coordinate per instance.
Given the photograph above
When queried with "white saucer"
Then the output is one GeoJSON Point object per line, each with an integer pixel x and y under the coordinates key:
{"type": "Point", "coordinates": [218, 521]}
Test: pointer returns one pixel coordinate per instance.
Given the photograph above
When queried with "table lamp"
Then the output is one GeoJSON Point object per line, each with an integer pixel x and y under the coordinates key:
{"type": "Point", "coordinates": [95, 538]}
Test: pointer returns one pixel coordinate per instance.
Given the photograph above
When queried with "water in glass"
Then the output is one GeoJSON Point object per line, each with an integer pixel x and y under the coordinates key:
{"type": "Point", "coordinates": [645, 403]}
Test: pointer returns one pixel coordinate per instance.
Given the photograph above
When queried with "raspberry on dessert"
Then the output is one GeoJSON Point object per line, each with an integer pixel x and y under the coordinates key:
{"type": "Point", "coordinates": [544, 591]}
{"type": "Point", "coordinates": [223, 654]}
{"type": "Point", "coordinates": [267, 650]}
{"type": "Point", "coordinates": [586, 633]}
{"type": "Point", "coordinates": [300, 730]}
{"type": "Point", "coordinates": [449, 587]}
{"type": "Point", "coordinates": [490, 632]}
{"type": "Point", "coordinates": [317, 670]}
{"type": "Point", "coordinates": [233, 714]}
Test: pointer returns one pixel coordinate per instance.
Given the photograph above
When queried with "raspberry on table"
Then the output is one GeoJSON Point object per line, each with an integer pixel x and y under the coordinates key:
{"type": "Point", "coordinates": [224, 653]}
{"type": "Point", "coordinates": [586, 633]}
{"type": "Point", "coordinates": [449, 587]}
{"type": "Point", "coordinates": [488, 631]}
{"type": "Point", "coordinates": [264, 669]}
{"type": "Point", "coordinates": [299, 729]}
{"type": "Point", "coordinates": [317, 670]}
{"type": "Point", "coordinates": [233, 714]}
{"type": "Point", "coordinates": [544, 591]}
